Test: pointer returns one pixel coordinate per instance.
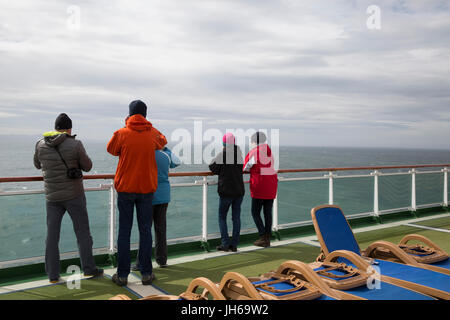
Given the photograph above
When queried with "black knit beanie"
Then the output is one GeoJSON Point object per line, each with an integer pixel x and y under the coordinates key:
{"type": "Point", "coordinates": [138, 107]}
{"type": "Point", "coordinates": [258, 137]}
{"type": "Point", "coordinates": [63, 122]}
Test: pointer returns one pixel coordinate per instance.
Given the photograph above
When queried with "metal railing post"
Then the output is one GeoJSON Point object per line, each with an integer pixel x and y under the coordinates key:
{"type": "Point", "coordinates": [112, 220]}
{"type": "Point", "coordinates": [275, 216]}
{"type": "Point", "coordinates": [445, 170]}
{"type": "Point", "coordinates": [330, 188]}
{"type": "Point", "coordinates": [205, 213]}
{"type": "Point", "coordinates": [413, 190]}
{"type": "Point", "coordinates": [376, 209]}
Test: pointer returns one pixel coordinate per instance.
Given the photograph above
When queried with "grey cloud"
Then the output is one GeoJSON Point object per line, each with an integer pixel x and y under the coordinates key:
{"type": "Point", "coordinates": [287, 63]}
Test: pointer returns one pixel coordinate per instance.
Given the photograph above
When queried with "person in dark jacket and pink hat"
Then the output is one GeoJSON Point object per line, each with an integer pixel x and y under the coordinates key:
{"type": "Point", "coordinates": [263, 186]}
{"type": "Point", "coordinates": [228, 165]}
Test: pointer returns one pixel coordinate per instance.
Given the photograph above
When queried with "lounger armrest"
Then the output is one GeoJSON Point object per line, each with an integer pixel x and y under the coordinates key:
{"type": "Point", "coordinates": [308, 273]}
{"type": "Point", "coordinates": [120, 297]}
{"type": "Point", "coordinates": [420, 238]}
{"type": "Point", "coordinates": [246, 284]}
{"type": "Point", "coordinates": [357, 260]}
{"type": "Point", "coordinates": [208, 285]}
{"type": "Point", "coordinates": [394, 249]}
{"type": "Point", "coordinates": [160, 297]}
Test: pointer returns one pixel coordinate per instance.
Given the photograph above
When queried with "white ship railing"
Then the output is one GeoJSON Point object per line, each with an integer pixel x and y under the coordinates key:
{"type": "Point", "coordinates": [331, 176]}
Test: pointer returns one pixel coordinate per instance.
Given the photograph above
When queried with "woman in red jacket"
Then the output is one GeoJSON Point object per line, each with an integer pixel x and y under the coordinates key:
{"type": "Point", "coordinates": [263, 186]}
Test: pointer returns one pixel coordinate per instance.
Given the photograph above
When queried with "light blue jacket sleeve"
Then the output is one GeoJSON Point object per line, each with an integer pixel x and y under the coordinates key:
{"type": "Point", "coordinates": [174, 160]}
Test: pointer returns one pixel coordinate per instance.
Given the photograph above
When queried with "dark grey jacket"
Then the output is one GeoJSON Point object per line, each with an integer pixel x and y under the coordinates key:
{"type": "Point", "coordinates": [58, 187]}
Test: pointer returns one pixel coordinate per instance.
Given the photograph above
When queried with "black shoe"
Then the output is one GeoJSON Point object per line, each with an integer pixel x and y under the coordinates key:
{"type": "Point", "coordinates": [119, 281]}
{"type": "Point", "coordinates": [232, 248]}
{"type": "Point", "coordinates": [148, 279]}
{"type": "Point", "coordinates": [55, 280]}
{"type": "Point", "coordinates": [95, 274]}
{"type": "Point", "coordinates": [222, 248]}
{"type": "Point", "coordinates": [163, 265]}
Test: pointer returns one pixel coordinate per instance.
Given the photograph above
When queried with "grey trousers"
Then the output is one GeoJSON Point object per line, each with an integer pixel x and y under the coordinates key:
{"type": "Point", "coordinates": [79, 215]}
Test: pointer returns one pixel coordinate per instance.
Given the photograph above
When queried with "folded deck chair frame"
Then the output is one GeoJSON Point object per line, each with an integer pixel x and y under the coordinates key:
{"type": "Point", "coordinates": [235, 286]}
{"type": "Point", "coordinates": [348, 242]}
{"type": "Point", "coordinates": [190, 294]}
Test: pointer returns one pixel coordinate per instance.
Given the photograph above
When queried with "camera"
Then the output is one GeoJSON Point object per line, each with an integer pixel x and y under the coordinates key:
{"type": "Point", "coordinates": [74, 173]}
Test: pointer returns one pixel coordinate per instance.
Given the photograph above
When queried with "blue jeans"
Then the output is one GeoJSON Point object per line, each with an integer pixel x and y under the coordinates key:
{"type": "Point", "coordinates": [224, 205]}
{"type": "Point", "coordinates": [126, 203]}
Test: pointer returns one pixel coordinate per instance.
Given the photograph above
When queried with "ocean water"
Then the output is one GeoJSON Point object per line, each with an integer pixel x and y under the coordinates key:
{"type": "Point", "coordinates": [23, 217]}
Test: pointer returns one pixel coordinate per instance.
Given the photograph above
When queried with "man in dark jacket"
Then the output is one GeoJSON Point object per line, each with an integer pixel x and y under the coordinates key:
{"type": "Point", "coordinates": [54, 154]}
{"type": "Point", "coordinates": [228, 166]}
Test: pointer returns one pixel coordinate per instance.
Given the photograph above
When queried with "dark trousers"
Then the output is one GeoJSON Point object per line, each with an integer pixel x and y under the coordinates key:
{"type": "Point", "coordinates": [224, 205]}
{"type": "Point", "coordinates": [126, 203]}
{"type": "Point", "coordinates": [79, 215]}
{"type": "Point", "coordinates": [265, 204]}
{"type": "Point", "coordinates": [160, 225]}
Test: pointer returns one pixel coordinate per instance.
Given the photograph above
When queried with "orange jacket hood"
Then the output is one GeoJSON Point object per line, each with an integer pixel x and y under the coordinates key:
{"type": "Point", "coordinates": [137, 122]}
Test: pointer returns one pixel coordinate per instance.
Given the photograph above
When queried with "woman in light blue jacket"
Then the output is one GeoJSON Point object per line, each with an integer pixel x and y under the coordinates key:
{"type": "Point", "coordinates": [165, 160]}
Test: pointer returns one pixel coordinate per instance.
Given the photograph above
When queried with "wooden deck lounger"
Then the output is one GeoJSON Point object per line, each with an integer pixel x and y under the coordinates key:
{"type": "Point", "coordinates": [351, 274]}
{"type": "Point", "coordinates": [210, 289]}
{"type": "Point", "coordinates": [334, 233]}
{"type": "Point", "coordinates": [281, 284]}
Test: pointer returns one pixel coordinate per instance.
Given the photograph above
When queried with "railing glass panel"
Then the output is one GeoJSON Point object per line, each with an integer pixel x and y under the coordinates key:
{"type": "Point", "coordinates": [354, 195]}
{"type": "Point", "coordinates": [429, 188]}
{"type": "Point", "coordinates": [395, 192]}
{"type": "Point", "coordinates": [98, 206]}
{"type": "Point", "coordinates": [296, 198]}
{"type": "Point", "coordinates": [22, 226]}
{"type": "Point", "coordinates": [184, 213]}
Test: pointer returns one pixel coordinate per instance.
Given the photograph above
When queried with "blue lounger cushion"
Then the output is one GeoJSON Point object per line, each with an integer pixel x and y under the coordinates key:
{"type": "Point", "coordinates": [428, 278]}
{"type": "Point", "coordinates": [443, 264]}
{"type": "Point", "coordinates": [335, 231]}
{"type": "Point", "coordinates": [385, 292]}
{"type": "Point", "coordinates": [284, 286]}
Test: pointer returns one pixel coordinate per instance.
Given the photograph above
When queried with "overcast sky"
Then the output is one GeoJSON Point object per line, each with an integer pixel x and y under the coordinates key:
{"type": "Point", "coordinates": [312, 69]}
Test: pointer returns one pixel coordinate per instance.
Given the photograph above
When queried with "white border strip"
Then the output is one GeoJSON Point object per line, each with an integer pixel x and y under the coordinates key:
{"type": "Point", "coordinates": [425, 227]}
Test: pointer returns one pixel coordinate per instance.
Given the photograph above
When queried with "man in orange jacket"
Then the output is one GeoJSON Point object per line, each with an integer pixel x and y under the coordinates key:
{"type": "Point", "coordinates": [135, 181]}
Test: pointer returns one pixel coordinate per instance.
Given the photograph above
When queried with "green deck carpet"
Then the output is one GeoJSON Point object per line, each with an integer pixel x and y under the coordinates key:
{"type": "Point", "coordinates": [93, 289]}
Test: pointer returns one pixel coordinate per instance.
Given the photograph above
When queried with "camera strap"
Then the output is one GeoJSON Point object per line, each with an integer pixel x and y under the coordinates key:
{"type": "Point", "coordinates": [60, 155]}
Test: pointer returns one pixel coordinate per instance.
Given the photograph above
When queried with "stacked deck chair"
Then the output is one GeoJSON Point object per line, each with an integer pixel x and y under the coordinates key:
{"type": "Point", "coordinates": [210, 291]}
{"type": "Point", "coordinates": [423, 250]}
{"type": "Point", "coordinates": [328, 280]}
{"type": "Point", "coordinates": [282, 284]}
{"type": "Point", "coordinates": [402, 269]}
